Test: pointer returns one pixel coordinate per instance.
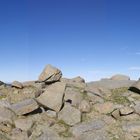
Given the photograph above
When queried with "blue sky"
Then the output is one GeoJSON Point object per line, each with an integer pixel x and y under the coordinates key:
{"type": "Point", "coordinates": [90, 38]}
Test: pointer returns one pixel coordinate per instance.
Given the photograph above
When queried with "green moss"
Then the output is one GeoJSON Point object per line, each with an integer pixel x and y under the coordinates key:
{"type": "Point", "coordinates": [117, 96]}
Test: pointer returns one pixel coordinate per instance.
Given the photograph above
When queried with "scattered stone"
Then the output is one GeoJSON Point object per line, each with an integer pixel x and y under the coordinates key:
{"type": "Point", "coordinates": [116, 114]}
{"type": "Point", "coordinates": [50, 74]}
{"type": "Point", "coordinates": [120, 77]}
{"type": "Point", "coordinates": [53, 96]}
{"type": "Point", "coordinates": [51, 113]}
{"type": "Point", "coordinates": [104, 108]}
{"type": "Point", "coordinates": [6, 115]}
{"type": "Point", "coordinates": [25, 107]}
{"type": "Point", "coordinates": [73, 96]}
{"type": "Point", "coordinates": [17, 84]}
{"type": "Point", "coordinates": [85, 107]}
{"type": "Point", "coordinates": [92, 125]}
{"type": "Point", "coordinates": [69, 115]}
{"type": "Point", "coordinates": [24, 124]}
{"type": "Point", "coordinates": [132, 127]}
{"type": "Point", "coordinates": [126, 110]}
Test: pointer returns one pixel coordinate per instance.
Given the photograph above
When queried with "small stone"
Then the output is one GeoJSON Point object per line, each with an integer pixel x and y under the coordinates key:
{"type": "Point", "coordinates": [126, 110]}
{"type": "Point", "coordinates": [24, 124]}
{"type": "Point", "coordinates": [51, 113]}
{"type": "Point", "coordinates": [25, 107]}
{"type": "Point", "coordinates": [104, 108]}
{"type": "Point", "coordinates": [116, 114]}
{"type": "Point", "coordinates": [84, 106]}
{"type": "Point", "coordinates": [70, 115]}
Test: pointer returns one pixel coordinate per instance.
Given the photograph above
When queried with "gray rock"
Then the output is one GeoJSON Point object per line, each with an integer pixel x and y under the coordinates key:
{"type": "Point", "coordinates": [6, 115]}
{"type": "Point", "coordinates": [126, 110]}
{"type": "Point", "coordinates": [137, 108]}
{"type": "Point", "coordinates": [136, 87]}
{"type": "Point", "coordinates": [70, 115]}
{"type": "Point", "coordinates": [53, 96]}
{"type": "Point", "coordinates": [120, 77]}
{"type": "Point", "coordinates": [92, 125]}
{"type": "Point", "coordinates": [132, 127]}
{"type": "Point", "coordinates": [24, 124]}
{"type": "Point", "coordinates": [17, 84]}
{"type": "Point", "coordinates": [85, 107]}
{"type": "Point", "coordinates": [73, 96]}
{"type": "Point", "coordinates": [50, 74]}
{"type": "Point", "coordinates": [25, 107]}
{"type": "Point", "coordinates": [51, 113]}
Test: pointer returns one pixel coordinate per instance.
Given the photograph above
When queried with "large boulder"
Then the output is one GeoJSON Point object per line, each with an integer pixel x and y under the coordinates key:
{"type": "Point", "coordinates": [50, 74]}
{"type": "Point", "coordinates": [53, 96]}
{"type": "Point", "coordinates": [120, 77]}
{"type": "Point", "coordinates": [135, 87]}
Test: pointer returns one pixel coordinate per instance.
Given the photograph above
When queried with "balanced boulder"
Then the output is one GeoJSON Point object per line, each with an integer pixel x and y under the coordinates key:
{"type": "Point", "coordinates": [50, 74]}
{"type": "Point", "coordinates": [17, 84]}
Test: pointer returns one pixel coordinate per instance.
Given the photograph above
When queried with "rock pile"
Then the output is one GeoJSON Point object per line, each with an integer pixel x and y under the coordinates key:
{"type": "Point", "coordinates": [56, 108]}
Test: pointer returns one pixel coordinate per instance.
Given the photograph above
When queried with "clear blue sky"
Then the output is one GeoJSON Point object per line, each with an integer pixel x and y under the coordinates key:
{"type": "Point", "coordinates": [91, 38]}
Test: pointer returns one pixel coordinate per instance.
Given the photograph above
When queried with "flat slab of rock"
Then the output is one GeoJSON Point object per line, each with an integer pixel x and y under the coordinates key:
{"type": "Point", "coordinates": [53, 96]}
{"type": "Point", "coordinates": [50, 74]}
{"type": "Point", "coordinates": [70, 115]}
{"type": "Point", "coordinates": [25, 107]}
{"type": "Point", "coordinates": [92, 125]}
{"type": "Point", "coordinates": [126, 110]}
{"type": "Point", "coordinates": [6, 115]}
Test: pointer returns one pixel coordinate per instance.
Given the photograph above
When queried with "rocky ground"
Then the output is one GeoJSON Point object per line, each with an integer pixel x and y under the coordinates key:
{"type": "Point", "coordinates": [56, 108]}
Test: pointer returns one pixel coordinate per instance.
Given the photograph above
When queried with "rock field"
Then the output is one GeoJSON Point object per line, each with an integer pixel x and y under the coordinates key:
{"type": "Point", "coordinates": [56, 108]}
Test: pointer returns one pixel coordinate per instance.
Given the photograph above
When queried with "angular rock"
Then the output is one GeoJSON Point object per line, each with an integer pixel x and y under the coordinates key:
{"type": "Point", "coordinates": [17, 84]}
{"type": "Point", "coordinates": [51, 113]}
{"type": "Point", "coordinates": [53, 96]}
{"type": "Point", "coordinates": [50, 74]}
{"type": "Point", "coordinates": [126, 110]}
{"type": "Point", "coordinates": [116, 114]}
{"type": "Point", "coordinates": [73, 96]}
{"type": "Point", "coordinates": [91, 125]}
{"type": "Point", "coordinates": [24, 124]}
{"type": "Point", "coordinates": [84, 106]}
{"type": "Point", "coordinates": [137, 108]}
{"type": "Point", "coordinates": [6, 115]}
{"type": "Point", "coordinates": [136, 87]}
{"type": "Point", "coordinates": [70, 115]}
{"type": "Point", "coordinates": [104, 108]}
{"type": "Point", "coordinates": [25, 107]}
{"type": "Point", "coordinates": [132, 127]}
{"type": "Point", "coordinates": [120, 77]}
